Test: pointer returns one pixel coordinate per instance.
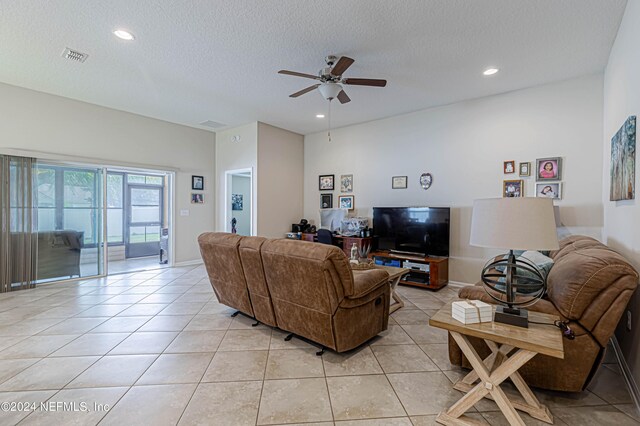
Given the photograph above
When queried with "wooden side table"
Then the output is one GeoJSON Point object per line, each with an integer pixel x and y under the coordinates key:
{"type": "Point", "coordinates": [395, 275]}
{"type": "Point", "coordinates": [511, 348]}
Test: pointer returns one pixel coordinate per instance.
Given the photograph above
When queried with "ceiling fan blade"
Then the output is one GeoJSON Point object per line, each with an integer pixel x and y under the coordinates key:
{"type": "Point", "coordinates": [342, 65]}
{"type": "Point", "coordinates": [303, 91]}
{"type": "Point", "coordinates": [343, 98]}
{"type": "Point", "coordinates": [299, 74]}
{"type": "Point", "coordinates": [365, 82]}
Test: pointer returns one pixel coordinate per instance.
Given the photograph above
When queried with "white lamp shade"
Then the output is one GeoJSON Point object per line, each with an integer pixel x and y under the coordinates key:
{"type": "Point", "coordinates": [514, 223]}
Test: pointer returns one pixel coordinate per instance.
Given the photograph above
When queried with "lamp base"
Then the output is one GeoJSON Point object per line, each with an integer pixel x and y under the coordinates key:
{"type": "Point", "coordinates": [512, 316]}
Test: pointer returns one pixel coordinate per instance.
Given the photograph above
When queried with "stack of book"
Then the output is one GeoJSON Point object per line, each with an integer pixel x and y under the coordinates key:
{"type": "Point", "coordinates": [471, 311]}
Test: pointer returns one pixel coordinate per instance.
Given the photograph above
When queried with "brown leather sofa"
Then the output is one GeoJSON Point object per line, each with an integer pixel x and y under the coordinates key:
{"type": "Point", "coordinates": [589, 285]}
{"type": "Point", "coordinates": [301, 287]}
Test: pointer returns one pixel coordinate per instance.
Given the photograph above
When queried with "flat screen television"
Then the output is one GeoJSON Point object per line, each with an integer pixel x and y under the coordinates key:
{"type": "Point", "coordinates": [420, 230]}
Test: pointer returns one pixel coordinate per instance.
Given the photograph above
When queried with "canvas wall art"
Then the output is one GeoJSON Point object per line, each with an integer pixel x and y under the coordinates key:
{"type": "Point", "coordinates": [623, 162]}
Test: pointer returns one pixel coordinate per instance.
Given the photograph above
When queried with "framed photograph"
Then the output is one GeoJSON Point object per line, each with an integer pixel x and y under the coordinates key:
{"type": "Point", "coordinates": [197, 183]}
{"type": "Point", "coordinates": [345, 202]}
{"type": "Point", "coordinates": [549, 168]}
{"type": "Point", "coordinates": [525, 169]}
{"type": "Point", "coordinates": [346, 183]}
{"type": "Point", "coordinates": [509, 167]}
{"type": "Point", "coordinates": [236, 202]}
{"type": "Point", "coordinates": [399, 182]}
{"type": "Point", "coordinates": [326, 201]}
{"type": "Point", "coordinates": [197, 198]}
{"type": "Point", "coordinates": [513, 188]}
{"type": "Point", "coordinates": [549, 190]}
{"type": "Point", "coordinates": [623, 162]}
{"type": "Point", "coordinates": [325, 182]}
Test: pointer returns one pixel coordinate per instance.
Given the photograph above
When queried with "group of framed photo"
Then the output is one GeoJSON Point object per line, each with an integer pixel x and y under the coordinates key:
{"type": "Point", "coordinates": [548, 173]}
{"type": "Point", "coordinates": [327, 183]}
{"type": "Point", "coordinates": [197, 184]}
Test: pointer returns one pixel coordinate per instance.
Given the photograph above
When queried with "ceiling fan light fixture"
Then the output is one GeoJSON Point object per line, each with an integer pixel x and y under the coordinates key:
{"type": "Point", "coordinates": [330, 90]}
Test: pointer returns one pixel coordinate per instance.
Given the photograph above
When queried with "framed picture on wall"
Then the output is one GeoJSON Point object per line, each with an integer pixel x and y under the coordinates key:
{"type": "Point", "coordinates": [345, 202]}
{"type": "Point", "coordinates": [346, 183]}
{"type": "Point", "coordinates": [525, 169]}
{"type": "Point", "coordinates": [399, 182]}
{"type": "Point", "coordinates": [549, 190]}
{"type": "Point", "coordinates": [326, 201]}
{"type": "Point", "coordinates": [236, 202]}
{"type": "Point", "coordinates": [512, 188]}
{"type": "Point", "coordinates": [509, 167]}
{"type": "Point", "coordinates": [549, 168]}
{"type": "Point", "coordinates": [197, 183]}
{"type": "Point", "coordinates": [197, 198]}
{"type": "Point", "coordinates": [326, 182]}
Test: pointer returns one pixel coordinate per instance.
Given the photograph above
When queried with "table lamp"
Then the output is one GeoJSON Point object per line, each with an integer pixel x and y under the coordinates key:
{"type": "Point", "coordinates": [514, 224]}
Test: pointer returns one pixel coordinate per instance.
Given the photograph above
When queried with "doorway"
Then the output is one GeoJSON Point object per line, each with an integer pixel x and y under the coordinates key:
{"type": "Point", "coordinates": [239, 201]}
{"type": "Point", "coordinates": [138, 220]}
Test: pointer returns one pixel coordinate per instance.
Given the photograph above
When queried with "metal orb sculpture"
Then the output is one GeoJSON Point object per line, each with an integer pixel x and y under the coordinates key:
{"type": "Point", "coordinates": [530, 287]}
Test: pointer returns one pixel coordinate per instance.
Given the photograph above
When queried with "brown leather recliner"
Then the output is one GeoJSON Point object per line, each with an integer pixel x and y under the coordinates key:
{"type": "Point", "coordinates": [589, 285]}
{"type": "Point", "coordinates": [221, 257]}
{"type": "Point", "coordinates": [316, 295]}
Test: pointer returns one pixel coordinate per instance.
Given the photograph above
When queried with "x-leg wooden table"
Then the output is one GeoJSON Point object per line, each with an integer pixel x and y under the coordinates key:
{"type": "Point", "coordinates": [511, 348]}
{"type": "Point", "coordinates": [395, 275]}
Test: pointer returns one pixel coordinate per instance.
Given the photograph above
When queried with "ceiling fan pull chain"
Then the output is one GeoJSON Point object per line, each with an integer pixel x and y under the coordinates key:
{"type": "Point", "coordinates": [329, 132]}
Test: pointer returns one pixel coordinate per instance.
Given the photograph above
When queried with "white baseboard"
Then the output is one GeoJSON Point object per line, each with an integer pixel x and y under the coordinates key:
{"type": "Point", "coordinates": [626, 373]}
{"type": "Point", "coordinates": [188, 263]}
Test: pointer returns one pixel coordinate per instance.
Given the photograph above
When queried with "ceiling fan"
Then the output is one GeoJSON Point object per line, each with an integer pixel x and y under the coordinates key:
{"type": "Point", "coordinates": [331, 80]}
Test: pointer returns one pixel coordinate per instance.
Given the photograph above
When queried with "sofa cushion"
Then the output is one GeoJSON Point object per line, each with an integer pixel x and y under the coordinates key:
{"type": "Point", "coordinates": [583, 269]}
{"type": "Point", "coordinates": [222, 259]}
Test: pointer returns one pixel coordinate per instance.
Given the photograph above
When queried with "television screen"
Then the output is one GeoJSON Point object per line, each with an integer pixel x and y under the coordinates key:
{"type": "Point", "coordinates": [423, 230]}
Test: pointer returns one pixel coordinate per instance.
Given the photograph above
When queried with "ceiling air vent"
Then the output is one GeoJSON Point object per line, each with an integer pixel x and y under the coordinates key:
{"type": "Point", "coordinates": [213, 124]}
{"type": "Point", "coordinates": [74, 55]}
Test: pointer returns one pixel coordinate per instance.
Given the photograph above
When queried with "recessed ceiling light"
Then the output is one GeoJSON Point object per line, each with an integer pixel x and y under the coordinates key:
{"type": "Point", "coordinates": [319, 115]}
{"type": "Point", "coordinates": [490, 71]}
{"type": "Point", "coordinates": [123, 34]}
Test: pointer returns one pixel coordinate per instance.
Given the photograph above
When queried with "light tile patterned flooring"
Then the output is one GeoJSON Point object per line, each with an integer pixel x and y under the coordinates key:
{"type": "Point", "coordinates": [157, 348]}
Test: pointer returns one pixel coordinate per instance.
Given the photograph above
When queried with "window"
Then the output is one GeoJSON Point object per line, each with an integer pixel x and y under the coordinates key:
{"type": "Point", "coordinates": [115, 208]}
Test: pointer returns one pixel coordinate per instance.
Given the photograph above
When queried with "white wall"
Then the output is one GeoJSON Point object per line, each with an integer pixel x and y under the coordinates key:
{"type": "Point", "coordinates": [231, 155]}
{"type": "Point", "coordinates": [36, 121]}
{"type": "Point", "coordinates": [241, 185]}
{"type": "Point", "coordinates": [464, 145]}
{"type": "Point", "coordinates": [280, 180]}
{"type": "Point", "coordinates": [621, 218]}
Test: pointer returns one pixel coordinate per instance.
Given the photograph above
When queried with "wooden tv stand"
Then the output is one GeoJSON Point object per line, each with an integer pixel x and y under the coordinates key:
{"type": "Point", "coordinates": [435, 279]}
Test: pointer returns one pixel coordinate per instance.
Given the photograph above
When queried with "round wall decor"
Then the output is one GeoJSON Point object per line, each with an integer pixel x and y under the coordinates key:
{"type": "Point", "coordinates": [426, 179]}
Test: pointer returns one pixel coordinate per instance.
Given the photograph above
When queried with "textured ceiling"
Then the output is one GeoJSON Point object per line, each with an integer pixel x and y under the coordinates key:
{"type": "Point", "coordinates": [197, 60]}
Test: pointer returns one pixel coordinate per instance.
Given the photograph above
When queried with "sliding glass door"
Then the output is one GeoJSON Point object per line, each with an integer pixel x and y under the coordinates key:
{"type": "Point", "coordinates": [69, 221]}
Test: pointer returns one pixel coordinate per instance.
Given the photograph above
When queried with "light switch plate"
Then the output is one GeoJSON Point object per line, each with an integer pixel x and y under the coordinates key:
{"type": "Point", "coordinates": [184, 212]}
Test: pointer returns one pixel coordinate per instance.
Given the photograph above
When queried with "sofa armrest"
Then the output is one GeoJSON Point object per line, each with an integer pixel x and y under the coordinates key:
{"type": "Point", "coordinates": [366, 281]}
{"type": "Point", "coordinates": [478, 292]}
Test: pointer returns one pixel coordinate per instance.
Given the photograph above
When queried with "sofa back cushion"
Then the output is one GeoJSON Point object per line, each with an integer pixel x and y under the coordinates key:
{"type": "Point", "coordinates": [222, 259]}
{"type": "Point", "coordinates": [251, 258]}
{"type": "Point", "coordinates": [585, 271]}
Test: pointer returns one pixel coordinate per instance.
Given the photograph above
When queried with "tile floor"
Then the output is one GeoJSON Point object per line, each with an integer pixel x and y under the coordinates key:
{"type": "Point", "coordinates": [156, 348]}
